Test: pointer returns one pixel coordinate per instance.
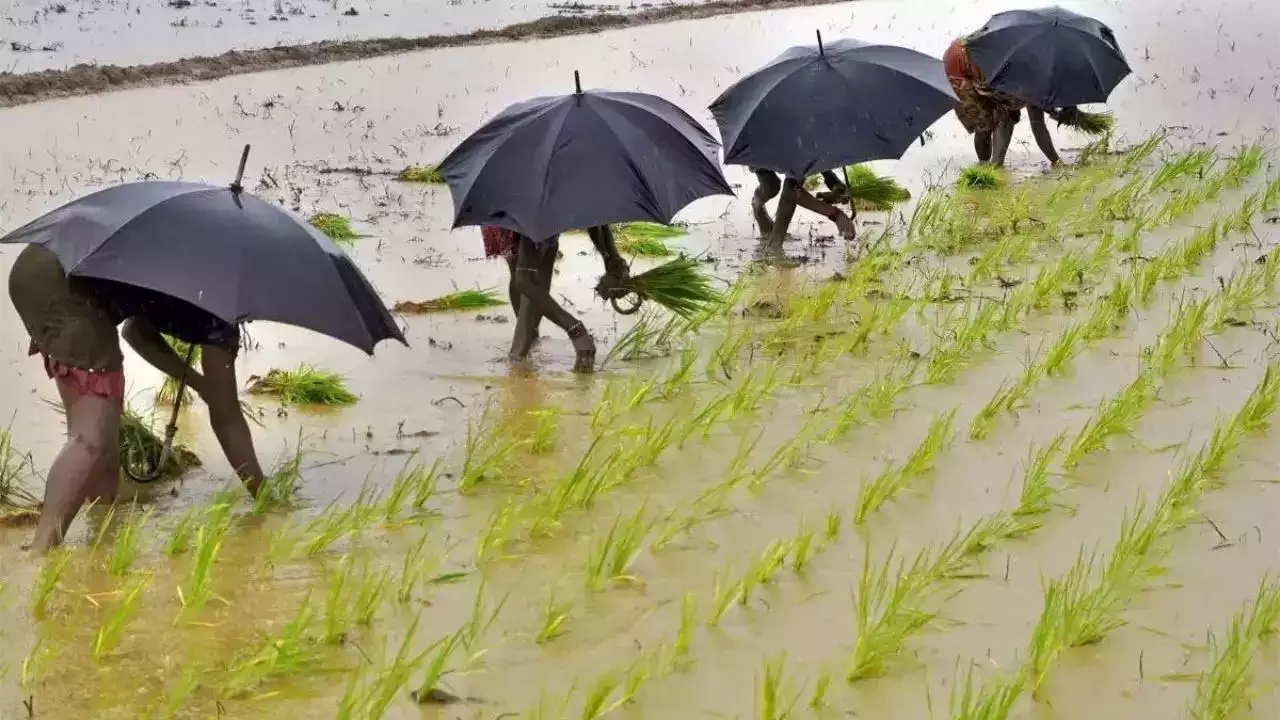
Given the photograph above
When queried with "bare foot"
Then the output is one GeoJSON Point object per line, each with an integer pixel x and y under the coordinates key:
{"type": "Point", "coordinates": [763, 221]}
{"type": "Point", "coordinates": [585, 347]}
{"type": "Point", "coordinates": [845, 225]}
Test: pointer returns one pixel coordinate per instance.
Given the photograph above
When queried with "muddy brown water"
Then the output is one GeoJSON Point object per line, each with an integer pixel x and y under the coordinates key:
{"type": "Point", "coordinates": [1204, 71]}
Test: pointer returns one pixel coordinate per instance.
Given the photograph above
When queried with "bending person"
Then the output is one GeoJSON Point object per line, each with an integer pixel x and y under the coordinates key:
{"type": "Point", "coordinates": [793, 194]}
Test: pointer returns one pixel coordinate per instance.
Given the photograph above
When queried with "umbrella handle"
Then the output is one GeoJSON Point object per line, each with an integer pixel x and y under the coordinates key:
{"type": "Point", "coordinates": [166, 450]}
{"type": "Point", "coordinates": [635, 306]}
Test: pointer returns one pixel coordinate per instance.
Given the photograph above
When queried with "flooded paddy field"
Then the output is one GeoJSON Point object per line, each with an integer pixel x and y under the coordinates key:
{"type": "Point", "coordinates": [1014, 460]}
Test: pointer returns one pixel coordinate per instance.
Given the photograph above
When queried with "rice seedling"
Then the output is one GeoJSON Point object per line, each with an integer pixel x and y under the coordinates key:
{"type": "Point", "coordinates": [48, 580]}
{"type": "Point", "coordinates": [371, 588]}
{"type": "Point", "coordinates": [1089, 123]}
{"type": "Point", "coordinates": [775, 699]}
{"type": "Point", "coordinates": [871, 192]}
{"type": "Point", "coordinates": [306, 385]}
{"type": "Point", "coordinates": [291, 652]}
{"type": "Point", "coordinates": [554, 616]}
{"type": "Point", "coordinates": [895, 478]}
{"type": "Point", "coordinates": [1037, 495]}
{"type": "Point", "coordinates": [111, 630]}
{"type": "Point", "coordinates": [724, 594]}
{"type": "Point", "coordinates": [609, 560]}
{"type": "Point", "coordinates": [280, 488]}
{"type": "Point", "coordinates": [456, 300]}
{"type": "Point", "coordinates": [993, 702]}
{"type": "Point", "coordinates": [764, 568]}
{"type": "Point", "coordinates": [336, 227]}
{"type": "Point", "coordinates": [377, 696]}
{"type": "Point", "coordinates": [646, 239]}
{"type": "Point", "coordinates": [887, 611]}
{"type": "Point", "coordinates": [429, 174]}
{"type": "Point", "coordinates": [1223, 691]}
{"type": "Point", "coordinates": [16, 501]}
{"type": "Point", "coordinates": [207, 545]}
{"type": "Point", "coordinates": [684, 633]}
{"type": "Point", "coordinates": [180, 539]}
{"type": "Point", "coordinates": [140, 445]}
{"type": "Point", "coordinates": [438, 664]}
{"type": "Point", "coordinates": [1139, 153]}
{"type": "Point", "coordinates": [128, 545]}
{"type": "Point", "coordinates": [981, 177]}
{"type": "Point", "coordinates": [679, 285]}
{"type": "Point", "coordinates": [1116, 416]}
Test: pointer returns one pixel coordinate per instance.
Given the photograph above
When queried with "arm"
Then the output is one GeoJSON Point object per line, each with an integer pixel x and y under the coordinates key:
{"type": "Point", "coordinates": [145, 340]}
{"type": "Point", "coordinates": [1042, 136]}
{"type": "Point", "coordinates": [221, 395]}
{"type": "Point", "coordinates": [602, 237]}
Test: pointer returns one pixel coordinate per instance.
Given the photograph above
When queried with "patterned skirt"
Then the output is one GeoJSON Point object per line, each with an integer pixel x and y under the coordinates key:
{"type": "Point", "coordinates": [981, 108]}
{"type": "Point", "coordinates": [498, 242]}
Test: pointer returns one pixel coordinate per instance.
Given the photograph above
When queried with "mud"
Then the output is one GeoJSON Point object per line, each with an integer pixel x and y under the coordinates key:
{"type": "Point", "coordinates": [88, 79]}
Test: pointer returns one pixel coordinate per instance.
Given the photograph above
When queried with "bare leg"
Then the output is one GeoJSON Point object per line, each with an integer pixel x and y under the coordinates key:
{"type": "Point", "coordinates": [226, 416]}
{"type": "Point", "coordinates": [767, 189]}
{"type": "Point", "coordinates": [512, 294]}
{"type": "Point", "coordinates": [786, 210]}
{"type": "Point", "coordinates": [1000, 140]}
{"type": "Point", "coordinates": [806, 200]}
{"type": "Point", "coordinates": [1041, 133]}
{"type": "Point", "coordinates": [982, 145]}
{"type": "Point", "coordinates": [87, 465]}
{"type": "Point", "coordinates": [537, 301]}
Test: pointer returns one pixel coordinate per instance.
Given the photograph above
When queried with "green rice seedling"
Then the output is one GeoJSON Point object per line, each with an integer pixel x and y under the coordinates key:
{"type": "Point", "coordinates": [1116, 416]}
{"type": "Point", "coordinates": [887, 612]}
{"type": "Point", "coordinates": [764, 568]}
{"type": "Point", "coordinates": [1096, 150]}
{"type": "Point", "coordinates": [456, 300]}
{"type": "Point", "coordinates": [993, 702]}
{"type": "Point", "coordinates": [486, 454]}
{"type": "Point", "coordinates": [1183, 334]}
{"type": "Point", "coordinates": [980, 425]}
{"type": "Point", "coordinates": [818, 697]}
{"type": "Point", "coordinates": [1139, 153]}
{"type": "Point", "coordinates": [1064, 349]}
{"type": "Point", "coordinates": [497, 533]}
{"type": "Point", "coordinates": [414, 569]}
{"type": "Point", "coordinates": [554, 616]}
{"type": "Point", "coordinates": [1224, 690]}
{"type": "Point", "coordinates": [643, 246]}
{"type": "Point", "coordinates": [653, 334]}
{"type": "Point", "coordinates": [336, 618]}
{"type": "Point", "coordinates": [128, 546]}
{"type": "Point", "coordinates": [48, 580]}
{"type": "Point", "coordinates": [208, 543]}
{"type": "Point", "coordinates": [178, 695]}
{"type": "Point", "coordinates": [438, 660]}
{"type": "Point", "coordinates": [373, 699]}
{"type": "Point", "coordinates": [871, 192]}
{"type": "Point", "coordinates": [1088, 612]}
{"type": "Point", "coordinates": [1037, 495]}
{"type": "Point", "coordinates": [371, 588]}
{"type": "Point", "coordinates": [111, 630]}
{"type": "Point", "coordinates": [684, 633]}
{"type": "Point", "coordinates": [982, 176]}
{"type": "Point", "coordinates": [802, 551]}
{"type": "Point", "coordinates": [1192, 163]}
{"type": "Point", "coordinates": [609, 561]}
{"type": "Point", "coordinates": [307, 385]}
{"type": "Point", "coordinates": [168, 391]}
{"type": "Point", "coordinates": [281, 487]}
{"type": "Point", "coordinates": [16, 501]}
{"type": "Point", "coordinates": [336, 227]}
{"type": "Point", "coordinates": [290, 653]}
{"type": "Point", "coordinates": [180, 539]}
{"type": "Point", "coordinates": [680, 286]}
{"type": "Point", "coordinates": [1096, 124]}
{"type": "Point", "coordinates": [1243, 165]}
{"type": "Point", "coordinates": [1049, 637]}
{"type": "Point", "coordinates": [724, 594]}
{"type": "Point", "coordinates": [775, 700]}
{"type": "Point", "coordinates": [429, 174]}
{"type": "Point", "coordinates": [875, 493]}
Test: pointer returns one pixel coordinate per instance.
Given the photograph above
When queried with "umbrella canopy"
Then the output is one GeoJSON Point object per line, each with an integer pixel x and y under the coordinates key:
{"type": "Point", "coordinates": [1049, 57]}
{"type": "Point", "coordinates": [816, 108]}
{"type": "Point", "coordinates": [227, 252]}
{"type": "Point", "coordinates": [552, 164]}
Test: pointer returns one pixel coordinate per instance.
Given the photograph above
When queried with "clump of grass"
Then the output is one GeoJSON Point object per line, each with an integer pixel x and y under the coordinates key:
{"type": "Point", "coordinates": [871, 192]}
{"type": "Point", "coordinates": [140, 446]}
{"type": "Point", "coordinates": [429, 174]}
{"type": "Point", "coordinates": [680, 286]}
{"type": "Point", "coordinates": [336, 227]}
{"type": "Point", "coordinates": [982, 176]}
{"type": "Point", "coordinates": [1224, 690]}
{"type": "Point", "coordinates": [1096, 124]}
{"type": "Point", "coordinates": [18, 505]}
{"type": "Point", "coordinates": [305, 386]}
{"type": "Point", "coordinates": [168, 392]}
{"type": "Point", "coordinates": [457, 300]}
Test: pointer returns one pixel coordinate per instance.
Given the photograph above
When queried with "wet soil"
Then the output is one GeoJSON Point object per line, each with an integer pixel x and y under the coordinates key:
{"type": "Point", "coordinates": [86, 79]}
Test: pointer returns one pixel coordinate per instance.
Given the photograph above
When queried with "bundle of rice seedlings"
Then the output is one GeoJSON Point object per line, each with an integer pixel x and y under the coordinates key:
{"type": "Point", "coordinates": [169, 390]}
{"type": "Point", "coordinates": [304, 386]}
{"type": "Point", "coordinates": [336, 226]}
{"type": "Point", "coordinates": [1086, 122]}
{"type": "Point", "coordinates": [140, 446]}
{"type": "Point", "coordinates": [982, 176]}
{"type": "Point", "coordinates": [871, 192]}
{"type": "Point", "coordinates": [645, 239]}
{"type": "Point", "coordinates": [680, 286]}
{"type": "Point", "coordinates": [421, 174]}
{"type": "Point", "coordinates": [457, 300]}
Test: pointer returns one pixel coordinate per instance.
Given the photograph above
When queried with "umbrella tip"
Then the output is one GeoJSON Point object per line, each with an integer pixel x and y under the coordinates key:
{"type": "Point", "coordinates": [821, 50]}
{"type": "Point", "coordinates": [577, 83]}
{"type": "Point", "coordinates": [236, 187]}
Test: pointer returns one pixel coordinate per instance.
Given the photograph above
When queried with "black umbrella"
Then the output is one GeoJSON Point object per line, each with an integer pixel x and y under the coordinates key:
{"type": "Point", "coordinates": [816, 108]}
{"type": "Point", "coordinates": [552, 164]}
{"type": "Point", "coordinates": [219, 248]}
{"type": "Point", "coordinates": [1049, 57]}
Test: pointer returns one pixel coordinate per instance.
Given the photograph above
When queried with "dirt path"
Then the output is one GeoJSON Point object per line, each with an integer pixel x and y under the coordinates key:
{"type": "Point", "coordinates": [85, 79]}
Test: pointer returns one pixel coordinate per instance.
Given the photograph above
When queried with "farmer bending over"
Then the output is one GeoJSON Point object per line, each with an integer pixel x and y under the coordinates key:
{"type": "Point", "coordinates": [532, 264]}
{"type": "Point", "coordinates": [990, 115]}
{"type": "Point", "coordinates": [793, 194]}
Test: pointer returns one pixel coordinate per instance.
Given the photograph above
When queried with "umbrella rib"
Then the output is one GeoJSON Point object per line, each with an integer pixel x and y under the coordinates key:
{"type": "Point", "coordinates": [546, 167]}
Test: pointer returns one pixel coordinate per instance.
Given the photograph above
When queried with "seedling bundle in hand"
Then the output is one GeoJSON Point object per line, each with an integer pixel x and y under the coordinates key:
{"type": "Point", "coordinates": [680, 286]}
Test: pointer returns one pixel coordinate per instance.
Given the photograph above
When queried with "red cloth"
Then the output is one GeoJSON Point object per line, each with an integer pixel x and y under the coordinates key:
{"type": "Point", "coordinates": [109, 384]}
{"type": "Point", "coordinates": [498, 242]}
